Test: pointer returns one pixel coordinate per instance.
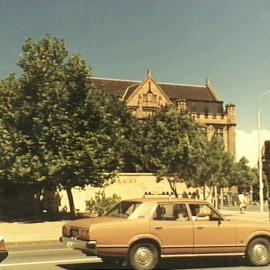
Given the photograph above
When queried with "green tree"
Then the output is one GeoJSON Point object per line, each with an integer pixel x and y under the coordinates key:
{"type": "Point", "coordinates": [176, 148]}
{"type": "Point", "coordinates": [215, 169]}
{"type": "Point", "coordinates": [10, 138]}
{"type": "Point", "coordinates": [244, 176]}
{"type": "Point", "coordinates": [101, 204]}
{"type": "Point", "coordinates": [174, 144]}
{"type": "Point", "coordinates": [71, 134]}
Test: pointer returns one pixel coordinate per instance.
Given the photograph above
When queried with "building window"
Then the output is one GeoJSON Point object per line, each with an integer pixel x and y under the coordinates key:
{"type": "Point", "coordinates": [149, 97]}
{"type": "Point", "coordinates": [219, 133]}
{"type": "Point", "coordinates": [182, 105]}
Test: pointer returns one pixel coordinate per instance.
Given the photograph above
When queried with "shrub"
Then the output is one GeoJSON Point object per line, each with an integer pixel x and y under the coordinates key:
{"type": "Point", "coordinates": [101, 204]}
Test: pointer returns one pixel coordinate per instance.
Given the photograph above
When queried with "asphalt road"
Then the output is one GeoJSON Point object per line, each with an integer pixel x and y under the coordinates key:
{"type": "Point", "coordinates": [57, 257]}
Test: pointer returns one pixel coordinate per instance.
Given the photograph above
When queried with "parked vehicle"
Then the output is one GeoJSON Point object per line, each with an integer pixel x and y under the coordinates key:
{"type": "Point", "coordinates": [143, 231]}
{"type": "Point", "coordinates": [3, 251]}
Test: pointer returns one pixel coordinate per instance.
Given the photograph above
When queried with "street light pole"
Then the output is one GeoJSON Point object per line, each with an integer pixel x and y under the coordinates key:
{"type": "Point", "coordinates": [259, 149]}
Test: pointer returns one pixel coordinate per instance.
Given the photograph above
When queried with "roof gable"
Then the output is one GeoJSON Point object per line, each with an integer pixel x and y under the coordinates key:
{"type": "Point", "coordinates": [148, 93]}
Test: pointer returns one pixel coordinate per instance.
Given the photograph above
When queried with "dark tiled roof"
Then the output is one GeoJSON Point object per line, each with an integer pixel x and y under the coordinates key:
{"type": "Point", "coordinates": [130, 90]}
{"type": "Point", "coordinates": [173, 91]}
{"type": "Point", "coordinates": [189, 92]}
{"type": "Point", "coordinates": [113, 87]}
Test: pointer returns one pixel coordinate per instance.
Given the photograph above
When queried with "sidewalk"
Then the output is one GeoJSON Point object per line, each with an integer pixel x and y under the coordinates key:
{"type": "Point", "coordinates": [19, 233]}
{"type": "Point", "coordinates": [254, 216]}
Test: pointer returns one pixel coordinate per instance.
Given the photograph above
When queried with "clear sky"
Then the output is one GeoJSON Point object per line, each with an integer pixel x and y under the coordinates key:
{"type": "Point", "coordinates": [181, 41]}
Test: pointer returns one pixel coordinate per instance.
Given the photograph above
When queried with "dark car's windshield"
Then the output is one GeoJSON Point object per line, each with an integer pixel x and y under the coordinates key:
{"type": "Point", "coordinates": [123, 209]}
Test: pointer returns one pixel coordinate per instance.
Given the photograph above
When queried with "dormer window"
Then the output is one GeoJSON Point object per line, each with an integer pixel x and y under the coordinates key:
{"type": "Point", "coordinates": [182, 105]}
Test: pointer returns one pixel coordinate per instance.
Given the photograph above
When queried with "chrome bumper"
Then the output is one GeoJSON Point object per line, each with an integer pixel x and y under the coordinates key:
{"type": "Point", "coordinates": [87, 246]}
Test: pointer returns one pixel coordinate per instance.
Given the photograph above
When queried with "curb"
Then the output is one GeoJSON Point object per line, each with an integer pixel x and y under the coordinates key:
{"type": "Point", "coordinates": [33, 243]}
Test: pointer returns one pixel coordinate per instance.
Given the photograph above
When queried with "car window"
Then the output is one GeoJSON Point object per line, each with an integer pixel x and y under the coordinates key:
{"type": "Point", "coordinates": [202, 212]}
{"type": "Point", "coordinates": [123, 209]}
{"type": "Point", "coordinates": [171, 212]}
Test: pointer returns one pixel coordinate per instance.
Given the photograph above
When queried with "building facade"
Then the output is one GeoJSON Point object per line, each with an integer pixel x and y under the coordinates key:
{"type": "Point", "coordinates": [145, 98]}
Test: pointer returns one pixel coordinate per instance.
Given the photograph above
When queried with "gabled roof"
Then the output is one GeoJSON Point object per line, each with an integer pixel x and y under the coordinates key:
{"type": "Point", "coordinates": [124, 88]}
{"type": "Point", "coordinates": [188, 92]}
{"type": "Point", "coordinates": [130, 90]}
{"type": "Point", "coordinates": [113, 87]}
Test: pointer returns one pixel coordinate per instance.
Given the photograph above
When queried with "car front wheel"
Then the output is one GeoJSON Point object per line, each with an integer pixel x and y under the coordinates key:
{"type": "Point", "coordinates": [143, 256]}
{"type": "Point", "coordinates": [258, 252]}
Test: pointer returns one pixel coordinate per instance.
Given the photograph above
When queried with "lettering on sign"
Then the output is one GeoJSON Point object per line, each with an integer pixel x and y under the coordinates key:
{"type": "Point", "coordinates": [126, 181]}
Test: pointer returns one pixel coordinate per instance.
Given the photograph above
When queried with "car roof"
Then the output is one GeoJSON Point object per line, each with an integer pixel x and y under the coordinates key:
{"type": "Point", "coordinates": [165, 199]}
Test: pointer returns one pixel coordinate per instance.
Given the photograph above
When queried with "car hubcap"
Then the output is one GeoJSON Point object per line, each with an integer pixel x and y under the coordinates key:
{"type": "Point", "coordinates": [143, 256]}
{"type": "Point", "coordinates": [260, 252]}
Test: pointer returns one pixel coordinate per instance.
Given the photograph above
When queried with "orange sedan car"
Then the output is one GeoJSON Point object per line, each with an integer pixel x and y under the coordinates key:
{"type": "Point", "coordinates": [143, 231]}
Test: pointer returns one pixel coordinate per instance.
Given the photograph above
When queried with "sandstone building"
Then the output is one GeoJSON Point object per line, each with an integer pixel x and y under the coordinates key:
{"type": "Point", "coordinates": [144, 98]}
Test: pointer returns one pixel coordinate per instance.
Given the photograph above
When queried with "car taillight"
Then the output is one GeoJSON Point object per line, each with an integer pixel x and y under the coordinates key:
{"type": "Point", "coordinates": [84, 233]}
{"type": "Point", "coordinates": [66, 231]}
{"type": "Point", "coordinates": [2, 244]}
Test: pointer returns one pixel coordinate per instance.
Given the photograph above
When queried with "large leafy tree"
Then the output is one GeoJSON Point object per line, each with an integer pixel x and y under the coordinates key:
{"type": "Point", "coordinates": [71, 134]}
{"type": "Point", "coordinates": [215, 169]}
{"type": "Point", "coordinates": [174, 144]}
{"type": "Point", "coordinates": [177, 149]}
{"type": "Point", "coordinates": [10, 137]}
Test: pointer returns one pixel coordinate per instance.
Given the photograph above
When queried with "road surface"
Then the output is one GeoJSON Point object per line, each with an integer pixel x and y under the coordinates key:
{"type": "Point", "coordinates": [57, 257]}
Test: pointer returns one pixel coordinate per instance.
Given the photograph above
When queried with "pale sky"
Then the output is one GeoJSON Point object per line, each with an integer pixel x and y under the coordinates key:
{"type": "Point", "coordinates": [181, 41]}
{"type": "Point", "coordinates": [247, 145]}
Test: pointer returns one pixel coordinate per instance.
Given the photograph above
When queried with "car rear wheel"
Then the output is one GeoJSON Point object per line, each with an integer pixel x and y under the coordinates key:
{"type": "Point", "coordinates": [143, 256]}
{"type": "Point", "coordinates": [258, 252]}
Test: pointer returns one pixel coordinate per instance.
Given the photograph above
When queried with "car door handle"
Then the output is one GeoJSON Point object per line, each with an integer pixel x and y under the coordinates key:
{"type": "Point", "coordinates": [158, 228]}
{"type": "Point", "coordinates": [200, 228]}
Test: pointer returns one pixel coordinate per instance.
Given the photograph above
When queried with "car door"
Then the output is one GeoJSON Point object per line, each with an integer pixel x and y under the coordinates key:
{"type": "Point", "coordinates": [212, 235]}
{"type": "Point", "coordinates": [172, 225]}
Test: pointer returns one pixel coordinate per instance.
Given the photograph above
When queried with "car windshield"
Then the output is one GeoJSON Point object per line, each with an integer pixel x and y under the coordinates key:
{"type": "Point", "coordinates": [123, 209]}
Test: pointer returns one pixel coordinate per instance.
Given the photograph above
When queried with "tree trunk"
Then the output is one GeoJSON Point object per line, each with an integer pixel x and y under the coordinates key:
{"type": "Point", "coordinates": [251, 194]}
{"type": "Point", "coordinates": [204, 192]}
{"type": "Point", "coordinates": [173, 188]}
{"type": "Point", "coordinates": [221, 205]}
{"type": "Point", "coordinates": [71, 201]}
{"type": "Point", "coordinates": [215, 197]}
